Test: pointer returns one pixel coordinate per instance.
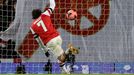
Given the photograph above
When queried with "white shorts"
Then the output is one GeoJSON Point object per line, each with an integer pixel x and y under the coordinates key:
{"type": "Point", "coordinates": [55, 45]}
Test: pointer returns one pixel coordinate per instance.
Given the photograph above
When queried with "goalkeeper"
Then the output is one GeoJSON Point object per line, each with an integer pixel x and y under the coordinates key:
{"type": "Point", "coordinates": [43, 28]}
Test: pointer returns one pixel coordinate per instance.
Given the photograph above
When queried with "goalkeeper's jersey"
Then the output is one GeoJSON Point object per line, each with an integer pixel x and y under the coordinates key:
{"type": "Point", "coordinates": [44, 27]}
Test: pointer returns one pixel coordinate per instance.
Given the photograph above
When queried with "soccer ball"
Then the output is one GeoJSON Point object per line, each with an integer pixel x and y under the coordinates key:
{"type": "Point", "coordinates": [71, 15]}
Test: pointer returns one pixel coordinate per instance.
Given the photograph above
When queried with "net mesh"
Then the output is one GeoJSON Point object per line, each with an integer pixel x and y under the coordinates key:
{"type": "Point", "coordinates": [103, 31]}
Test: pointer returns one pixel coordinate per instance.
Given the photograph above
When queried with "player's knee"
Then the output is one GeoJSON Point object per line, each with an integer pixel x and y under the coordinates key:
{"type": "Point", "coordinates": [59, 53]}
{"type": "Point", "coordinates": [62, 58]}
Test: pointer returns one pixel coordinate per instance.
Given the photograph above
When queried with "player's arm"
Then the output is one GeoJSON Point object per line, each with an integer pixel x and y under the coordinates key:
{"type": "Point", "coordinates": [51, 8]}
{"type": "Point", "coordinates": [52, 5]}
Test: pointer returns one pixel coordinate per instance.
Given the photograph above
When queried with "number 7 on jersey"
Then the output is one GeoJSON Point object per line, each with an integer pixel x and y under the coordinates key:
{"type": "Point", "coordinates": [41, 23]}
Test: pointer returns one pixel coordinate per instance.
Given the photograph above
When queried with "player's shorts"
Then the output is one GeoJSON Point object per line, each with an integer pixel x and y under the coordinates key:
{"type": "Point", "coordinates": [55, 45]}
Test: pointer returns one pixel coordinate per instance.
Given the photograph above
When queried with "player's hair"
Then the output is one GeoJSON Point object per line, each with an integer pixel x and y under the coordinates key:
{"type": "Point", "coordinates": [36, 13]}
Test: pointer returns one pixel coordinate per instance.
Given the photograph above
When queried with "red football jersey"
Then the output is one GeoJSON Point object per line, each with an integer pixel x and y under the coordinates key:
{"type": "Point", "coordinates": [44, 28]}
